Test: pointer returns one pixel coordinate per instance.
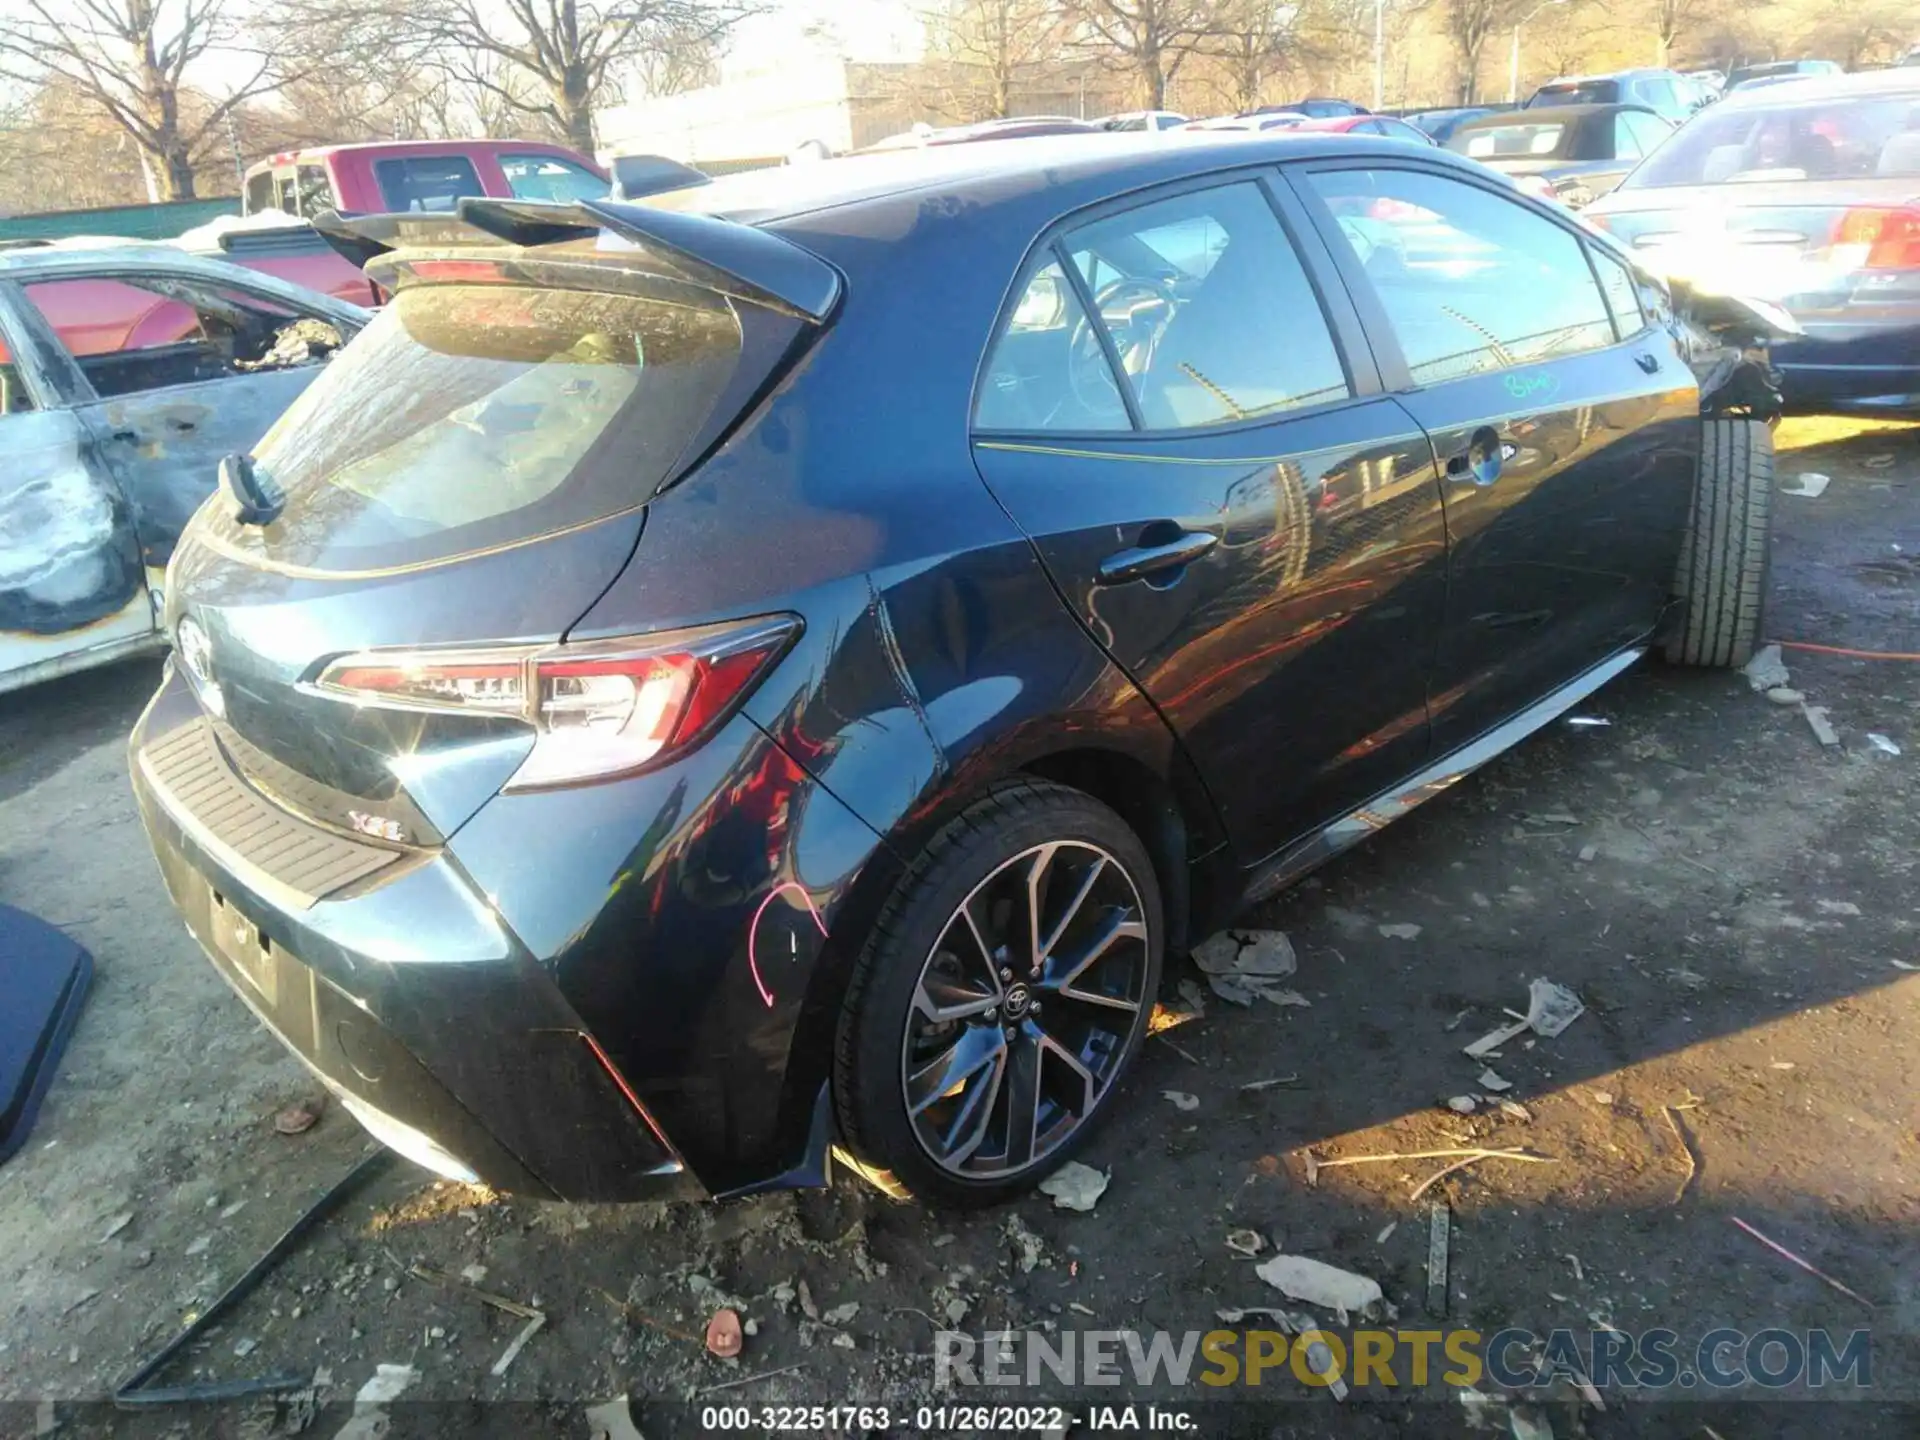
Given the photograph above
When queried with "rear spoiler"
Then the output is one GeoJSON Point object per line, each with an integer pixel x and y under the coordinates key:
{"type": "Point", "coordinates": [730, 257]}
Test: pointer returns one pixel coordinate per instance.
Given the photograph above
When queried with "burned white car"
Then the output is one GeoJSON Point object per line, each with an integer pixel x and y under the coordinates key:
{"type": "Point", "coordinates": [126, 374]}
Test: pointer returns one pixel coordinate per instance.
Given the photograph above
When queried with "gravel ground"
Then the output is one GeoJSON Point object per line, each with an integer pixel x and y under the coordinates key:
{"type": "Point", "coordinates": [1735, 904]}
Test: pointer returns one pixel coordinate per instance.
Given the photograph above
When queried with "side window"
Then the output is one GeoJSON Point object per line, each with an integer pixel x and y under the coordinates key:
{"type": "Point", "coordinates": [260, 192]}
{"type": "Point", "coordinates": [548, 177]}
{"type": "Point", "coordinates": [1649, 129]}
{"type": "Point", "coordinates": [1047, 370]}
{"type": "Point", "coordinates": [1209, 309]}
{"type": "Point", "coordinates": [1471, 282]}
{"type": "Point", "coordinates": [1623, 295]}
{"type": "Point", "coordinates": [1626, 142]}
{"type": "Point", "coordinates": [427, 182]}
{"type": "Point", "coordinates": [128, 338]}
{"type": "Point", "coordinates": [14, 399]}
{"type": "Point", "coordinates": [313, 191]}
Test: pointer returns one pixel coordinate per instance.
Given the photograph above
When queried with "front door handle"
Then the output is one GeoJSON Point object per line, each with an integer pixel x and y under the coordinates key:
{"type": "Point", "coordinates": [1484, 458]}
{"type": "Point", "coordinates": [1164, 546]}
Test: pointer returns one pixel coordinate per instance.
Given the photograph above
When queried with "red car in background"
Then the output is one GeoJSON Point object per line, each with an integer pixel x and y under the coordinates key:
{"type": "Point", "coordinates": [417, 175]}
{"type": "Point", "coordinates": [1385, 125]}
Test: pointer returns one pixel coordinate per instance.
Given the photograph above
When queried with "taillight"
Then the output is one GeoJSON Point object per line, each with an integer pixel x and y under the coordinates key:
{"type": "Point", "coordinates": [599, 709]}
{"type": "Point", "coordinates": [1878, 237]}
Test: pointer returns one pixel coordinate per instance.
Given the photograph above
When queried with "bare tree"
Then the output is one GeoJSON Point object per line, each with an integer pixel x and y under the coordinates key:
{"type": "Point", "coordinates": [1150, 38]}
{"type": "Point", "coordinates": [995, 49]}
{"type": "Point", "coordinates": [1251, 41]}
{"type": "Point", "coordinates": [1674, 20]}
{"type": "Point", "coordinates": [130, 58]}
{"type": "Point", "coordinates": [1469, 24]}
{"type": "Point", "coordinates": [567, 49]}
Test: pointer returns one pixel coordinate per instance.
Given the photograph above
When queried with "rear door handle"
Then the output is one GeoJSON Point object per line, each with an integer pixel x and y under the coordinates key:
{"type": "Point", "coordinates": [1181, 547]}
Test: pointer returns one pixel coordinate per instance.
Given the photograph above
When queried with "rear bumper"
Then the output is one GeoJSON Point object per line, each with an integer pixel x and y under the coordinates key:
{"type": "Point", "coordinates": [1868, 365]}
{"type": "Point", "coordinates": [403, 991]}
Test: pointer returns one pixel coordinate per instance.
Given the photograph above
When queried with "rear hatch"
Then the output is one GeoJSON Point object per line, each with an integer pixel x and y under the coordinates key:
{"type": "Point", "coordinates": [471, 472]}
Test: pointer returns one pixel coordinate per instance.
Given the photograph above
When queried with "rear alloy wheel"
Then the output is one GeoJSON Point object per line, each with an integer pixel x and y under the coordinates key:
{"type": "Point", "coordinates": [1001, 996]}
{"type": "Point", "coordinates": [1722, 582]}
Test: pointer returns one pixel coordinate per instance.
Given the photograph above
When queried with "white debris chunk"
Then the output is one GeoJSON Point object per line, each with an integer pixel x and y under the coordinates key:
{"type": "Point", "coordinates": [1182, 1100]}
{"type": "Point", "coordinates": [1075, 1186]}
{"type": "Point", "coordinates": [1327, 1286]}
{"type": "Point", "coordinates": [1811, 485]}
{"type": "Point", "coordinates": [1882, 743]}
{"type": "Point", "coordinates": [1766, 670]}
{"type": "Point", "coordinates": [1551, 1008]}
{"type": "Point", "coordinates": [1821, 726]}
{"type": "Point", "coordinates": [1492, 1080]}
{"type": "Point", "coordinates": [1241, 953]}
{"type": "Point", "coordinates": [1400, 932]}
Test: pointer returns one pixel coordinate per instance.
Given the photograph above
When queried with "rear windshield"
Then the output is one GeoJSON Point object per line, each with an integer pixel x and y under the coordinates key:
{"type": "Point", "coordinates": [1581, 92]}
{"type": "Point", "coordinates": [468, 416]}
{"type": "Point", "coordinates": [1507, 142]}
{"type": "Point", "coordinates": [1833, 138]}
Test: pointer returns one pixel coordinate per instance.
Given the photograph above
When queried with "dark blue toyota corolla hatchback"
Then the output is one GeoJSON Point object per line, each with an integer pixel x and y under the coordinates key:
{"type": "Point", "coordinates": [779, 663]}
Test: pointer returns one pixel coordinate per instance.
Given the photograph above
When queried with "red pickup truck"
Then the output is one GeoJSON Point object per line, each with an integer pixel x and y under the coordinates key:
{"type": "Point", "coordinates": [382, 177]}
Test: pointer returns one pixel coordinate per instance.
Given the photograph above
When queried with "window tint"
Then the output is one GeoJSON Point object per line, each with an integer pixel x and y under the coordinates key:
{"type": "Point", "coordinates": [1647, 130]}
{"type": "Point", "coordinates": [260, 192]}
{"type": "Point", "coordinates": [1829, 137]}
{"type": "Point", "coordinates": [1047, 370]}
{"type": "Point", "coordinates": [1400, 130]}
{"type": "Point", "coordinates": [127, 338]}
{"type": "Point", "coordinates": [1626, 144]}
{"type": "Point", "coordinates": [1471, 281]}
{"type": "Point", "coordinates": [1623, 295]}
{"type": "Point", "coordinates": [1208, 307]}
{"type": "Point", "coordinates": [426, 182]}
{"type": "Point", "coordinates": [548, 177]}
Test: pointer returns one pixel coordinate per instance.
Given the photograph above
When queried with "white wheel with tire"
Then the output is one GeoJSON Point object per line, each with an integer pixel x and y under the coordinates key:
{"type": "Point", "coordinates": [1722, 582]}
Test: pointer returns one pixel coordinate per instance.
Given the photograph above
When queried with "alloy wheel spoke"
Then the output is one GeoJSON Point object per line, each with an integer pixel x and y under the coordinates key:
{"type": "Point", "coordinates": [974, 1119]}
{"type": "Point", "coordinates": [1122, 926]}
{"type": "Point", "coordinates": [1073, 906]}
{"type": "Point", "coordinates": [1021, 1103]}
{"type": "Point", "coordinates": [1089, 1085]}
{"type": "Point", "coordinates": [1036, 880]}
{"type": "Point", "coordinates": [972, 1050]}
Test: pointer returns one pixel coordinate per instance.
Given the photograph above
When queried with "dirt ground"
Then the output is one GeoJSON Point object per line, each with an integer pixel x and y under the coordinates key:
{"type": "Point", "coordinates": [1736, 905]}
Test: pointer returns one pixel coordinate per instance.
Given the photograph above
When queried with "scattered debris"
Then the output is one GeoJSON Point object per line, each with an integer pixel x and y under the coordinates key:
{"type": "Point", "coordinates": [1386, 1232]}
{"type": "Point", "coordinates": [512, 1352]}
{"type": "Point", "coordinates": [1471, 1154]}
{"type": "Point", "coordinates": [724, 1336]}
{"type": "Point", "coordinates": [840, 1314]}
{"type": "Point", "coordinates": [1551, 1008]}
{"type": "Point", "coordinates": [84, 1297]}
{"type": "Point", "coordinates": [1766, 670]}
{"type": "Point", "coordinates": [244, 1347]}
{"type": "Point", "coordinates": [612, 1421]}
{"type": "Point", "coordinates": [1075, 1186]}
{"type": "Point", "coordinates": [1579, 1275]}
{"type": "Point", "coordinates": [752, 1379]}
{"type": "Point", "coordinates": [473, 1274]}
{"type": "Point", "coordinates": [1439, 1233]}
{"type": "Point", "coordinates": [1812, 485]}
{"type": "Point", "coordinates": [299, 1118]}
{"type": "Point", "coordinates": [1529, 1422]}
{"type": "Point", "coordinates": [1586, 722]}
{"type": "Point", "coordinates": [1482, 1412]}
{"type": "Point", "coordinates": [1327, 1286]}
{"type": "Point", "coordinates": [1253, 1085]}
{"type": "Point", "coordinates": [115, 1226]}
{"type": "Point", "coordinates": [1192, 1006]}
{"type": "Point", "coordinates": [1837, 907]}
{"type": "Point", "coordinates": [1902, 965]}
{"type": "Point", "coordinates": [1462, 1104]}
{"type": "Point", "coordinates": [1782, 1250]}
{"type": "Point", "coordinates": [1400, 931]}
{"type": "Point", "coordinates": [1686, 1148]}
{"type": "Point", "coordinates": [1489, 1080]}
{"type": "Point", "coordinates": [1243, 990]}
{"type": "Point", "coordinates": [1245, 1242]}
{"type": "Point", "coordinates": [1822, 727]}
{"type": "Point", "coordinates": [1588, 852]}
{"type": "Point", "coordinates": [370, 1420]}
{"type": "Point", "coordinates": [1786, 695]}
{"type": "Point", "coordinates": [1027, 1245]}
{"type": "Point", "coordinates": [1182, 1100]}
{"type": "Point", "coordinates": [199, 1244]}
{"type": "Point", "coordinates": [1247, 952]}
{"type": "Point", "coordinates": [1514, 1110]}
{"type": "Point", "coordinates": [1882, 743]}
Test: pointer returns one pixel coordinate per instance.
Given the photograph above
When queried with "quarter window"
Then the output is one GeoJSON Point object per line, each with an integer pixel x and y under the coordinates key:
{"type": "Point", "coordinates": [548, 177]}
{"type": "Point", "coordinates": [426, 182]}
{"type": "Point", "coordinates": [1471, 282]}
{"type": "Point", "coordinates": [1623, 295]}
{"type": "Point", "coordinates": [1047, 371]}
{"type": "Point", "coordinates": [1208, 309]}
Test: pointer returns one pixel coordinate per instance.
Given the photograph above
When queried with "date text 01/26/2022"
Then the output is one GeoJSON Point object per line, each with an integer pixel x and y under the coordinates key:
{"type": "Point", "coordinates": [939, 1419]}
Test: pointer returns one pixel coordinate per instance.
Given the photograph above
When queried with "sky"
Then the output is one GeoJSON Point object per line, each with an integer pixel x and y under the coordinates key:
{"type": "Point", "coordinates": [864, 30]}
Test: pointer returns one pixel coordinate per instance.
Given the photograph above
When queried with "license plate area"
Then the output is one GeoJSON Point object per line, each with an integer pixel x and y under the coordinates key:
{"type": "Point", "coordinates": [241, 944]}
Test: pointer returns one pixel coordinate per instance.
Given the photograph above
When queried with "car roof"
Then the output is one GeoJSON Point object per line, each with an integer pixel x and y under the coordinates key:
{"type": "Point", "coordinates": [407, 147]}
{"type": "Point", "coordinates": [1826, 87]}
{"type": "Point", "coordinates": [1632, 74]}
{"type": "Point", "coordinates": [1550, 114]}
{"type": "Point", "coordinates": [986, 175]}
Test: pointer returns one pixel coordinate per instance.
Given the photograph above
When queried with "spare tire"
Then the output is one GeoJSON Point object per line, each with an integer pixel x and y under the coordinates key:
{"type": "Point", "coordinates": [1722, 582]}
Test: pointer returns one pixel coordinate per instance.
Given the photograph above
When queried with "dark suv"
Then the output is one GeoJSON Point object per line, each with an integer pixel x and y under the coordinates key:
{"type": "Point", "coordinates": [1668, 94]}
{"type": "Point", "coordinates": [783, 663]}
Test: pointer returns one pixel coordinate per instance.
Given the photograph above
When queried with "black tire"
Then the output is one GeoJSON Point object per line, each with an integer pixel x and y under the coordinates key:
{"type": "Point", "coordinates": [899, 1050]}
{"type": "Point", "coordinates": [1724, 562]}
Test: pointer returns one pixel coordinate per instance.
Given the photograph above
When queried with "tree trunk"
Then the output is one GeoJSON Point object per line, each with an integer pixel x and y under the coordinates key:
{"type": "Point", "coordinates": [573, 104]}
{"type": "Point", "coordinates": [176, 173]}
{"type": "Point", "coordinates": [1153, 79]}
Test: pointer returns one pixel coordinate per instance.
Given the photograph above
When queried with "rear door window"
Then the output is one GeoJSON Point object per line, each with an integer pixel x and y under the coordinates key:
{"type": "Point", "coordinates": [548, 177]}
{"type": "Point", "coordinates": [426, 182]}
{"type": "Point", "coordinates": [1208, 309]}
{"type": "Point", "coordinates": [313, 191]}
{"type": "Point", "coordinates": [471, 415]}
{"type": "Point", "coordinates": [1622, 292]}
{"type": "Point", "coordinates": [1470, 281]}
